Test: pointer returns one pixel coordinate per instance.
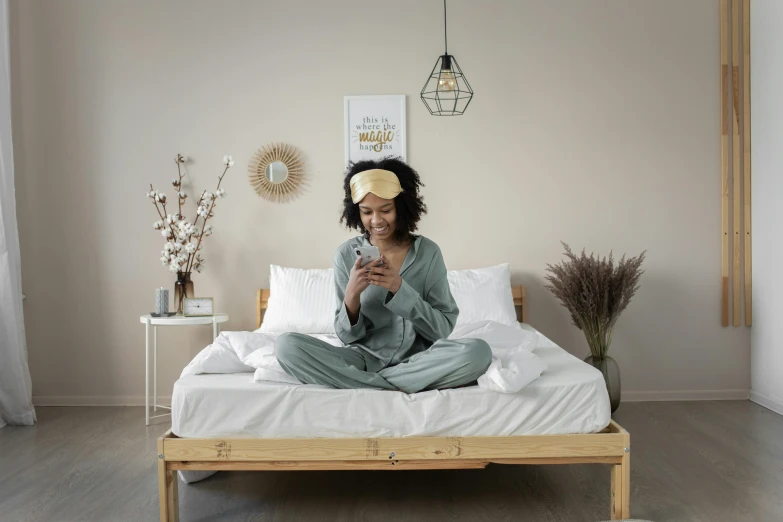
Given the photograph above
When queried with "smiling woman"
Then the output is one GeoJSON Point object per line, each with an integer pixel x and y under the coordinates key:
{"type": "Point", "coordinates": [394, 315]}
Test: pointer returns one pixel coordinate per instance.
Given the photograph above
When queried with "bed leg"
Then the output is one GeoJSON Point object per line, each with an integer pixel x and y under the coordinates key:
{"type": "Point", "coordinates": [167, 489]}
{"type": "Point", "coordinates": [621, 488]}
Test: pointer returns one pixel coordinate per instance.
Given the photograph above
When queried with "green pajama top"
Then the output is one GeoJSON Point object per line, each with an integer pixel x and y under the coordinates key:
{"type": "Point", "coordinates": [393, 327]}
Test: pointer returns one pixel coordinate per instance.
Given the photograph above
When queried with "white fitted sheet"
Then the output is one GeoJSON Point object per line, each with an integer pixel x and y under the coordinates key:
{"type": "Point", "coordinates": [570, 397]}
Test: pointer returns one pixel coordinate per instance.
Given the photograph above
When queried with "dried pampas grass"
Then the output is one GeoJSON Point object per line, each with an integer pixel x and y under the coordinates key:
{"type": "Point", "coordinates": [595, 291]}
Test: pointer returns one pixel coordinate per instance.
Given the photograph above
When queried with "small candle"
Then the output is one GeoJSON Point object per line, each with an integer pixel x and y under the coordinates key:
{"type": "Point", "coordinates": [161, 301]}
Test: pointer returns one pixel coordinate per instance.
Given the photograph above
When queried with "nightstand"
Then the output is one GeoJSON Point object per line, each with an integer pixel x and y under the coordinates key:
{"type": "Point", "coordinates": [174, 320]}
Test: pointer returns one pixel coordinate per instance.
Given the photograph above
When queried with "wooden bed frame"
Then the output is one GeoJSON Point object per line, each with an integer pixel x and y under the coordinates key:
{"type": "Point", "coordinates": [610, 446]}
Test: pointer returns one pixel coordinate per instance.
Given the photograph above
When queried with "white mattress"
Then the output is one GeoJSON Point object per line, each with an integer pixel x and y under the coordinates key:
{"type": "Point", "coordinates": [570, 397]}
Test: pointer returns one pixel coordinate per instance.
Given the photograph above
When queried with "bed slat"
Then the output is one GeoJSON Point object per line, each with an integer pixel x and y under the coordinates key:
{"type": "Point", "coordinates": [406, 448]}
{"type": "Point", "coordinates": [304, 465]}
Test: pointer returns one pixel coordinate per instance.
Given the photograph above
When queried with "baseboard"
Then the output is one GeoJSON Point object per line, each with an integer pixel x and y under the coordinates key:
{"type": "Point", "coordinates": [88, 400]}
{"type": "Point", "coordinates": [685, 395]}
{"type": "Point", "coordinates": [763, 400]}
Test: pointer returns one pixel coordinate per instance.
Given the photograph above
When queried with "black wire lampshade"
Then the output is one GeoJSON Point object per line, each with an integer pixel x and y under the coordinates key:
{"type": "Point", "coordinates": [447, 91]}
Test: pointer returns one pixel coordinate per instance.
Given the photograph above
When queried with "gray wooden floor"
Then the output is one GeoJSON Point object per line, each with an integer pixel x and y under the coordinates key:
{"type": "Point", "coordinates": [690, 461]}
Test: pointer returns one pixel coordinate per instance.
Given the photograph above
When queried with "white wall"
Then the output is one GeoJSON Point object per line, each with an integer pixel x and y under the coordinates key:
{"type": "Point", "coordinates": [593, 122]}
{"type": "Point", "coordinates": [766, 48]}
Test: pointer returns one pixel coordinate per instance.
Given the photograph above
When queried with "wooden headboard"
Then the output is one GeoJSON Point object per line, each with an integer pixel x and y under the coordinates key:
{"type": "Point", "coordinates": [517, 292]}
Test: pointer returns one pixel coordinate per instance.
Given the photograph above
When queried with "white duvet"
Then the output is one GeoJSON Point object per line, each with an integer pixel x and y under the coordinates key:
{"type": "Point", "coordinates": [513, 366]}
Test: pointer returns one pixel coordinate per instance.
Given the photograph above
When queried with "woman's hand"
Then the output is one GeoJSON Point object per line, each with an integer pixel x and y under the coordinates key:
{"type": "Point", "coordinates": [357, 282]}
{"type": "Point", "coordinates": [387, 278]}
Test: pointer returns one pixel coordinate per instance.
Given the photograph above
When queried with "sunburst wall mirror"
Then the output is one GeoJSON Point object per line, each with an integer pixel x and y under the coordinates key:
{"type": "Point", "coordinates": [276, 172]}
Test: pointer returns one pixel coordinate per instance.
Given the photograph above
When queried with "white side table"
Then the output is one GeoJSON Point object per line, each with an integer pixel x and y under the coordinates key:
{"type": "Point", "coordinates": [174, 320]}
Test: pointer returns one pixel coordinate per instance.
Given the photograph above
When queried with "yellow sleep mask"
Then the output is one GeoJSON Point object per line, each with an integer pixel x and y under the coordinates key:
{"type": "Point", "coordinates": [382, 183]}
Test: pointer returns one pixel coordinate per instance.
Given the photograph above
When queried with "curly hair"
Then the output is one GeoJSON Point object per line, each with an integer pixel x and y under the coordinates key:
{"type": "Point", "coordinates": [409, 204]}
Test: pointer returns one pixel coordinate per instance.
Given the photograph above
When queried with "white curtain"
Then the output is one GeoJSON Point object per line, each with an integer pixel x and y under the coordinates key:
{"type": "Point", "coordinates": [16, 393]}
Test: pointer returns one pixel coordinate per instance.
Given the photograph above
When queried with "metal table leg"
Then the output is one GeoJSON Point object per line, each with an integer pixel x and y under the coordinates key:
{"type": "Point", "coordinates": [147, 374]}
{"type": "Point", "coordinates": [155, 366]}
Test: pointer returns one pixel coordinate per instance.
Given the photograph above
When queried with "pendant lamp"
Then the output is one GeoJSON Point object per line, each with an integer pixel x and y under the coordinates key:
{"type": "Point", "coordinates": [447, 91]}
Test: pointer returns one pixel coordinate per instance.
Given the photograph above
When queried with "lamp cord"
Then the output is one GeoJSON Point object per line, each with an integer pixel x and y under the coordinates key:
{"type": "Point", "coordinates": [445, 29]}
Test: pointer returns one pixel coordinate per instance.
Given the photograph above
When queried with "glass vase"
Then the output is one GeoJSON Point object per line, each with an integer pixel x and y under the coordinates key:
{"type": "Point", "coordinates": [611, 372]}
{"type": "Point", "coordinates": [182, 288]}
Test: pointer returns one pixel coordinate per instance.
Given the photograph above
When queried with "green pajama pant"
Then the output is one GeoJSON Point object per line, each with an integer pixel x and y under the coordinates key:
{"type": "Point", "coordinates": [446, 364]}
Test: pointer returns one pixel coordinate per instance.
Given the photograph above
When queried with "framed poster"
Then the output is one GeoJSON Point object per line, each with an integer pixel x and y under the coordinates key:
{"type": "Point", "coordinates": [374, 127]}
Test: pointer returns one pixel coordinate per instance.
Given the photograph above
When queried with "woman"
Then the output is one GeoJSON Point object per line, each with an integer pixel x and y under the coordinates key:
{"type": "Point", "coordinates": [395, 314]}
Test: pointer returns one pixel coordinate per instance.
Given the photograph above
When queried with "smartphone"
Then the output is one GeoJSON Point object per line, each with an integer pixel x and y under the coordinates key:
{"type": "Point", "coordinates": [368, 254]}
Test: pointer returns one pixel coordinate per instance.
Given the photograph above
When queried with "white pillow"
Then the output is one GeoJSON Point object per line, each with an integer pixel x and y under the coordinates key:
{"type": "Point", "coordinates": [483, 294]}
{"type": "Point", "coordinates": [300, 300]}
